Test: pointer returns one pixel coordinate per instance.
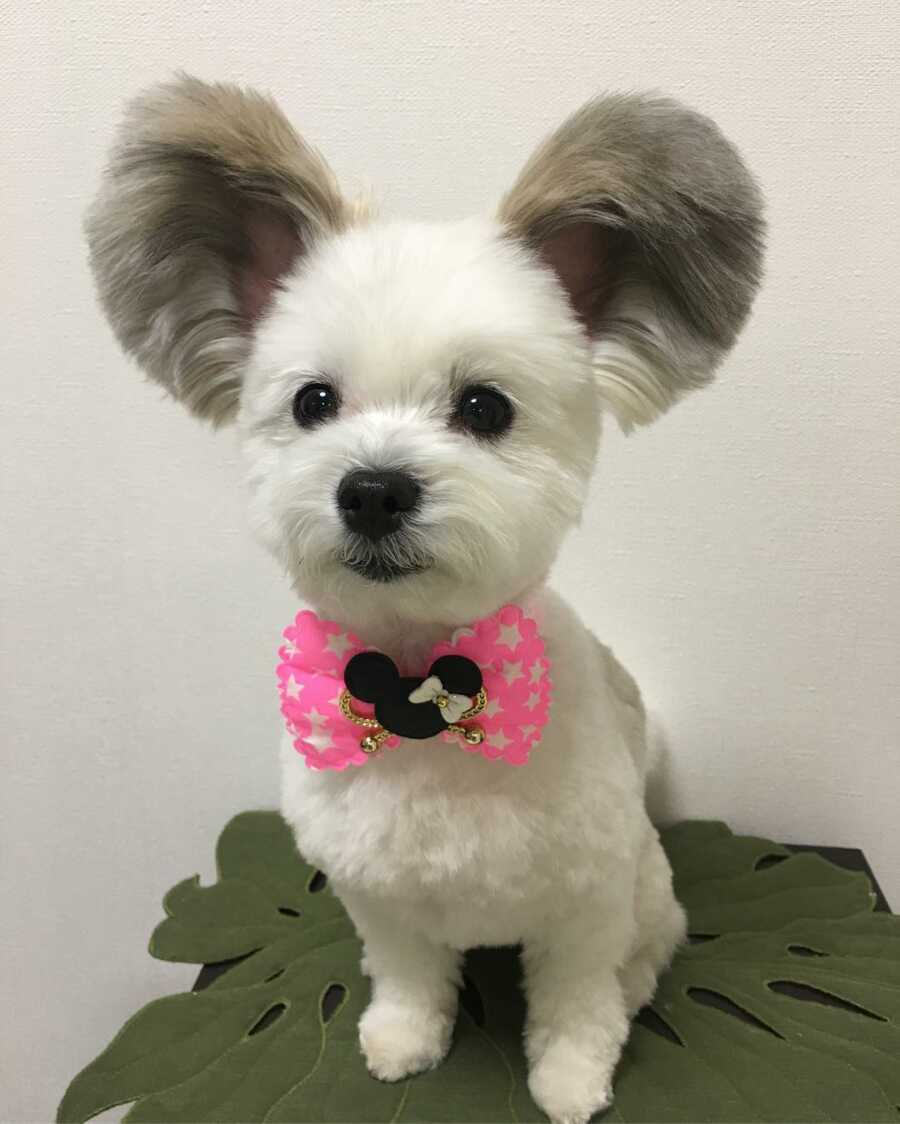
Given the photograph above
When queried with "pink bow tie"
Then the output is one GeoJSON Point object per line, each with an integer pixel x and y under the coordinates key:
{"type": "Point", "coordinates": [488, 689]}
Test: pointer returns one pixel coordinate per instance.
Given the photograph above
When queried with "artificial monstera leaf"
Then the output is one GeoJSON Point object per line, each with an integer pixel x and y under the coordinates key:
{"type": "Point", "coordinates": [739, 1030]}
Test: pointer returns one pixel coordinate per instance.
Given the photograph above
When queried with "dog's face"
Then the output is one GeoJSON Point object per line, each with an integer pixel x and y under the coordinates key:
{"type": "Point", "coordinates": [420, 418]}
{"type": "Point", "coordinates": [420, 404]}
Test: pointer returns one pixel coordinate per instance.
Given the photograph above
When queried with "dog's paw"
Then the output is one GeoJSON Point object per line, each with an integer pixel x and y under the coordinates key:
{"type": "Point", "coordinates": [570, 1084]}
{"type": "Point", "coordinates": [398, 1041]}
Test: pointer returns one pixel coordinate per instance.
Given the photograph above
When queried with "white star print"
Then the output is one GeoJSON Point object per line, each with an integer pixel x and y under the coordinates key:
{"type": "Point", "coordinates": [336, 701]}
{"type": "Point", "coordinates": [510, 635]}
{"type": "Point", "coordinates": [493, 708]}
{"type": "Point", "coordinates": [527, 731]}
{"type": "Point", "coordinates": [512, 671]}
{"type": "Point", "coordinates": [338, 643]}
{"type": "Point", "coordinates": [499, 740]}
{"type": "Point", "coordinates": [536, 674]}
{"type": "Point", "coordinates": [290, 648]}
{"type": "Point", "coordinates": [317, 720]}
{"type": "Point", "coordinates": [320, 741]}
{"type": "Point", "coordinates": [533, 699]}
{"type": "Point", "coordinates": [293, 688]}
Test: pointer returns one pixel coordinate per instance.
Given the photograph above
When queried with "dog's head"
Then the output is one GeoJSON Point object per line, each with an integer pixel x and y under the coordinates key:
{"type": "Point", "coordinates": [420, 404]}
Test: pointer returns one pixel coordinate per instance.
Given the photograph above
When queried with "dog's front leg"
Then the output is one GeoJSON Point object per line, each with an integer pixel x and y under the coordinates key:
{"type": "Point", "coordinates": [409, 1021]}
{"type": "Point", "coordinates": [577, 1021]}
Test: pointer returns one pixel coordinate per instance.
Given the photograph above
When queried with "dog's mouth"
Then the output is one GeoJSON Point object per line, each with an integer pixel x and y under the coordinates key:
{"type": "Point", "coordinates": [377, 569]}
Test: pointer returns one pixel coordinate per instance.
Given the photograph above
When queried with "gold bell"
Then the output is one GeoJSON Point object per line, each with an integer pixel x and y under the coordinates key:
{"type": "Point", "coordinates": [369, 744]}
{"type": "Point", "coordinates": [474, 735]}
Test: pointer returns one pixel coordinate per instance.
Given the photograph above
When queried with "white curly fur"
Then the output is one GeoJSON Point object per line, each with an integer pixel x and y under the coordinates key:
{"type": "Point", "coordinates": [434, 851]}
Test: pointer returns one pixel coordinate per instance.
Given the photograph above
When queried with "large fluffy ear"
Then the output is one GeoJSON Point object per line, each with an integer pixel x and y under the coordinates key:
{"type": "Point", "coordinates": [210, 197]}
{"type": "Point", "coordinates": [653, 226]}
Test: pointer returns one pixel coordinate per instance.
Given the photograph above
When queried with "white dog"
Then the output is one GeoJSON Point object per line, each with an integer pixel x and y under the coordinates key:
{"type": "Point", "coordinates": [420, 409]}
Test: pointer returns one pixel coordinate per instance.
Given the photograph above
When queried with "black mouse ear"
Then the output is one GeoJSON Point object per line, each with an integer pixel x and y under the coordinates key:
{"type": "Point", "coordinates": [458, 674]}
{"type": "Point", "coordinates": [369, 675]}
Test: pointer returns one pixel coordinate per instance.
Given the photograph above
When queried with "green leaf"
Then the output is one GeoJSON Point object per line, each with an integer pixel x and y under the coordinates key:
{"type": "Point", "coordinates": [780, 932]}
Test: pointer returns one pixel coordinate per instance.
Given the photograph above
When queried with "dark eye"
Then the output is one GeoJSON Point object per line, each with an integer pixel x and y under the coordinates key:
{"type": "Point", "coordinates": [484, 411]}
{"type": "Point", "coordinates": [316, 402]}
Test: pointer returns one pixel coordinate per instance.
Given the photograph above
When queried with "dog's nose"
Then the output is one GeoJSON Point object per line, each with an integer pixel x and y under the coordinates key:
{"type": "Point", "coordinates": [375, 503]}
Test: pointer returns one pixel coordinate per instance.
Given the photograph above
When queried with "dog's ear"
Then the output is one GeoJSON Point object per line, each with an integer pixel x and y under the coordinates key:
{"type": "Point", "coordinates": [654, 228]}
{"type": "Point", "coordinates": [210, 197]}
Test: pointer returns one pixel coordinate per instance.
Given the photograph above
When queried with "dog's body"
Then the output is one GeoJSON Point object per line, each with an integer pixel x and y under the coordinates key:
{"type": "Point", "coordinates": [436, 851]}
{"type": "Point", "coordinates": [420, 410]}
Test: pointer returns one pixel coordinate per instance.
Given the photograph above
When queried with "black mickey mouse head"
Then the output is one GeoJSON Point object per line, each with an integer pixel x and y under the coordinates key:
{"type": "Point", "coordinates": [373, 677]}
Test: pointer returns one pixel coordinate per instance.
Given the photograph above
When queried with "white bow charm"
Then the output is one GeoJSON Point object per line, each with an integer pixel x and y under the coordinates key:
{"type": "Point", "coordinates": [452, 707]}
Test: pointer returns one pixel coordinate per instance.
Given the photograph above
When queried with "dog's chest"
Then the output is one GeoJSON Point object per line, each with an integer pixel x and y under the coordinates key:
{"type": "Point", "coordinates": [468, 846]}
{"type": "Point", "coordinates": [420, 826]}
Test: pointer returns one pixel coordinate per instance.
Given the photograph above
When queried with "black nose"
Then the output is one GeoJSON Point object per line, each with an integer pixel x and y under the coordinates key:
{"type": "Point", "coordinates": [375, 504]}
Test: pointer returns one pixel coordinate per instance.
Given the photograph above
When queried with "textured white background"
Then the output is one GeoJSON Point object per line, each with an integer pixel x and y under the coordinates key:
{"type": "Point", "coordinates": [742, 556]}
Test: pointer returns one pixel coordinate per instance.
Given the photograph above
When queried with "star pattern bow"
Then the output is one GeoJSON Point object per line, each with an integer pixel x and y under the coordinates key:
{"type": "Point", "coordinates": [487, 688]}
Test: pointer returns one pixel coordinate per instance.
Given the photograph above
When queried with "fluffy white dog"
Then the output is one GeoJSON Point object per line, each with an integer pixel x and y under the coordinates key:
{"type": "Point", "coordinates": [420, 409]}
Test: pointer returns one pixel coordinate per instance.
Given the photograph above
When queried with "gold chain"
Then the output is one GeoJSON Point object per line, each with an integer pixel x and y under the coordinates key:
{"type": "Point", "coordinates": [474, 735]}
{"type": "Point", "coordinates": [371, 743]}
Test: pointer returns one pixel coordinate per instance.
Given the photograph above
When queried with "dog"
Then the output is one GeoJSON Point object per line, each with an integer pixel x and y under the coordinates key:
{"type": "Point", "coordinates": [420, 408]}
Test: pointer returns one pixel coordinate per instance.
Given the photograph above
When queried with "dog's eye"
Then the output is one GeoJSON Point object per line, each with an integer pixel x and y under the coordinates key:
{"type": "Point", "coordinates": [316, 402]}
{"type": "Point", "coordinates": [484, 411]}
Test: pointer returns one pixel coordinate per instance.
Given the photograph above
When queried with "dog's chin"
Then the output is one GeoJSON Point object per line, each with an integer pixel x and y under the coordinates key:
{"type": "Point", "coordinates": [383, 570]}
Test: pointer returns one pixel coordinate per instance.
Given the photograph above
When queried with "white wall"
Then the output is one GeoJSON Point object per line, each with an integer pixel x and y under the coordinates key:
{"type": "Point", "coordinates": [741, 556]}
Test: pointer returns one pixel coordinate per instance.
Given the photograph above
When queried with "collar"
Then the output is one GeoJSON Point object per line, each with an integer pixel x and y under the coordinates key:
{"type": "Point", "coordinates": [487, 690]}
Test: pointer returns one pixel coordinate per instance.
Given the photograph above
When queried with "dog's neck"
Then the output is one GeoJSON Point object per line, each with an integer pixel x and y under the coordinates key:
{"type": "Point", "coordinates": [408, 643]}
{"type": "Point", "coordinates": [408, 640]}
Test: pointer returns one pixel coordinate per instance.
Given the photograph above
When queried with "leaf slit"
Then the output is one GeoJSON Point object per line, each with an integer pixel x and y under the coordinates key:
{"type": "Point", "coordinates": [810, 994]}
{"type": "Point", "coordinates": [708, 998]}
{"type": "Point", "coordinates": [332, 998]}
{"type": "Point", "coordinates": [267, 1018]}
{"type": "Point", "coordinates": [765, 861]}
{"type": "Point", "coordinates": [651, 1020]}
{"type": "Point", "coordinates": [317, 882]}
